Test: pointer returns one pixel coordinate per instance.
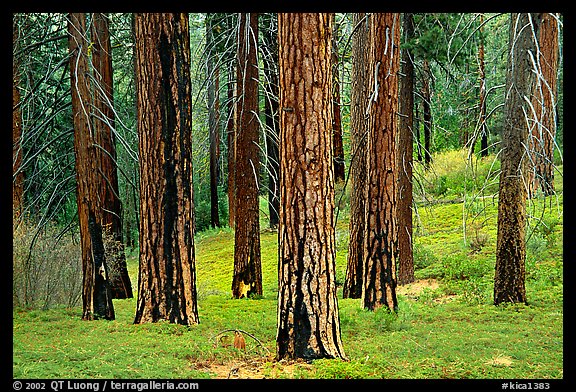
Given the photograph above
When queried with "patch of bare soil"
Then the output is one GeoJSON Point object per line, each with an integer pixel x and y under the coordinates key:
{"type": "Point", "coordinates": [253, 368]}
{"type": "Point", "coordinates": [414, 290]}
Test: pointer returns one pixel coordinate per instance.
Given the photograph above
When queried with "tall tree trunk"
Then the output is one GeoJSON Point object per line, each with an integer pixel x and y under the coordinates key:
{"type": "Point", "coordinates": [426, 101]}
{"type": "Point", "coordinates": [405, 153]}
{"type": "Point", "coordinates": [418, 137]}
{"type": "Point", "coordinates": [482, 80]}
{"type": "Point", "coordinates": [247, 279]}
{"type": "Point", "coordinates": [213, 122]}
{"type": "Point", "coordinates": [360, 51]}
{"type": "Point", "coordinates": [110, 215]}
{"type": "Point", "coordinates": [231, 146]}
{"type": "Point", "coordinates": [510, 274]}
{"type": "Point", "coordinates": [543, 130]}
{"type": "Point", "coordinates": [18, 173]}
{"type": "Point", "coordinates": [339, 167]}
{"type": "Point", "coordinates": [308, 319]}
{"type": "Point", "coordinates": [96, 294]}
{"type": "Point", "coordinates": [167, 278]}
{"type": "Point", "coordinates": [272, 115]}
{"type": "Point", "coordinates": [381, 235]}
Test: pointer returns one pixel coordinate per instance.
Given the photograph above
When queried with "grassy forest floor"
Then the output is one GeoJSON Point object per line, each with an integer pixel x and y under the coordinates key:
{"type": "Point", "coordinates": [446, 327]}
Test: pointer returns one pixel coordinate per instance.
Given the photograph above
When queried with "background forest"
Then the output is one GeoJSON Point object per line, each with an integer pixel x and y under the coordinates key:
{"type": "Point", "coordinates": [446, 324]}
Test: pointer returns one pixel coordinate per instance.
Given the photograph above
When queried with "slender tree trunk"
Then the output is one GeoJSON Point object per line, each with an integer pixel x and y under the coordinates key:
{"type": "Point", "coordinates": [110, 215]}
{"type": "Point", "coordinates": [418, 137]}
{"type": "Point", "coordinates": [231, 146]}
{"type": "Point", "coordinates": [360, 51]}
{"type": "Point", "coordinates": [213, 122]}
{"type": "Point", "coordinates": [96, 294]}
{"type": "Point", "coordinates": [167, 277]}
{"type": "Point", "coordinates": [381, 235]}
{"type": "Point", "coordinates": [482, 80]}
{"type": "Point", "coordinates": [272, 116]}
{"type": "Point", "coordinates": [426, 100]}
{"type": "Point", "coordinates": [308, 320]}
{"type": "Point", "coordinates": [543, 129]}
{"type": "Point", "coordinates": [510, 275]}
{"type": "Point", "coordinates": [339, 167]}
{"type": "Point", "coordinates": [18, 173]}
{"type": "Point", "coordinates": [247, 279]}
{"type": "Point", "coordinates": [405, 153]}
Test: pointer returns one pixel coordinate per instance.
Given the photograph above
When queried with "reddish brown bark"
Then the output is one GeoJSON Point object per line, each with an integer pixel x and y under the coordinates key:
{"type": "Point", "coordinates": [405, 158]}
{"type": "Point", "coordinates": [247, 279]}
{"type": "Point", "coordinates": [358, 126]}
{"type": "Point", "coordinates": [167, 277]}
{"type": "Point", "coordinates": [103, 120]}
{"type": "Point", "coordinates": [96, 294]}
{"type": "Point", "coordinates": [231, 146]}
{"type": "Point", "coordinates": [308, 320]}
{"type": "Point", "coordinates": [381, 235]}
{"type": "Point", "coordinates": [543, 129]}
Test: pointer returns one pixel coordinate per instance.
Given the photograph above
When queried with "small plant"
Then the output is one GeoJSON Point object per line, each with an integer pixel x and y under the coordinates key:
{"type": "Point", "coordinates": [479, 241]}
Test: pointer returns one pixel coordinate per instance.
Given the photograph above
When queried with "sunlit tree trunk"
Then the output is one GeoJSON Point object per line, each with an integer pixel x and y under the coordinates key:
{"type": "Point", "coordinates": [103, 120]}
{"type": "Point", "coordinates": [167, 277]}
{"type": "Point", "coordinates": [247, 278]}
{"type": "Point", "coordinates": [405, 154]}
{"type": "Point", "coordinates": [381, 235]}
{"type": "Point", "coordinates": [308, 319]}
{"type": "Point", "coordinates": [96, 293]}
{"type": "Point", "coordinates": [510, 274]}
{"type": "Point", "coordinates": [360, 51]}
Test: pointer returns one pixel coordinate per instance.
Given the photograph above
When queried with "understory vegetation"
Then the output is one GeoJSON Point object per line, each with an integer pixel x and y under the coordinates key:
{"type": "Point", "coordinates": [446, 326]}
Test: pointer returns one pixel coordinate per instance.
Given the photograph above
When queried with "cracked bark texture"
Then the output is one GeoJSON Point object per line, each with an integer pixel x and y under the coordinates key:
{"type": "Point", "coordinates": [96, 296]}
{"type": "Point", "coordinates": [247, 278]}
{"type": "Point", "coordinates": [360, 50]}
{"type": "Point", "coordinates": [308, 319]}
{"type": "Point", "coordinates": [510, 274]}
{"type": "Point", "coordinates": [167, 278]}
{"type": "Point", "coordinates": [381, 236]}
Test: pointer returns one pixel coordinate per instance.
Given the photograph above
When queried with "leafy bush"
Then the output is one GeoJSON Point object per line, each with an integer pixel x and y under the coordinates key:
{"type": "Point", "coordinates": [423, 256]}
{"type": "Point", "coordinates": [452, 174]}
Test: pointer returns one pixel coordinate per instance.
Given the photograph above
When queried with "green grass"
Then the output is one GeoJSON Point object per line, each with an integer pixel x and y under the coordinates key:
{"type": "Point", "coordinates": [447, 330]}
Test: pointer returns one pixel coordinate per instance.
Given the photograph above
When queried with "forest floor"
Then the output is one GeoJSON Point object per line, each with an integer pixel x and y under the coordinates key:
{"type": "Point", "coordinates": [446, 328]}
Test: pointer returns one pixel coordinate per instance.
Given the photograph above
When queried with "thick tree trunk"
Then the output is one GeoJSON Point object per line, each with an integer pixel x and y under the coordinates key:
{"type": "Point", "coordinates": [308, 320]}
{"type": "Point", "coordinates": [213, 75]}
{"type": "Point", "coordinates": [96, 301]}
{"type": "Point", "coordinates": [360, 51]}
{"type": "Point", "coordinates": [247, 279]}
{"type": "Point", "coordinates": [103, 119]}
{"type": "Point", "coordinates": [510, 275]}
{"type": "Point", "coordinates": [543, 129]}
{"type": "Point", "coordinates": [405, 154]}
{"type": "Point", "coordinates": [271, 106]}
{"type": "Point", "coordinates": [339, 167]}
{"type": "Point", "coordinates": [167, 278]}
{"type": "Point", "coordinates": [381, 236]}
